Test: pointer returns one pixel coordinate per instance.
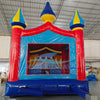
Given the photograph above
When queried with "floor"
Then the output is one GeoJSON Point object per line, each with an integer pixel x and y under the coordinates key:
{"type": "Point", "coordinates": [94, 91]}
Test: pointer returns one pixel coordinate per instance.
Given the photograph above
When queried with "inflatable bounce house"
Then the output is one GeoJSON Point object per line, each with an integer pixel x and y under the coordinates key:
{"type": "Point", "coordinates": [46, 60]}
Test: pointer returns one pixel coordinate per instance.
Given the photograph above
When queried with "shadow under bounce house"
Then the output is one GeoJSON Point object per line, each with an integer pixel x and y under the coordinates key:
{"type": "Point", "coordinates": [46, 60]}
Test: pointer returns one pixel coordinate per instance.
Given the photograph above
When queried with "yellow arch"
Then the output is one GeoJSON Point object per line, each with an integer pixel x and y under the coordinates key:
{"type": "Point", "coordinates": [34, 51]}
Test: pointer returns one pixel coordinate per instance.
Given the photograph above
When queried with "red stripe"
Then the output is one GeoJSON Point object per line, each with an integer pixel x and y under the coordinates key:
{"type": "Point", "coordinates": [47, 26]}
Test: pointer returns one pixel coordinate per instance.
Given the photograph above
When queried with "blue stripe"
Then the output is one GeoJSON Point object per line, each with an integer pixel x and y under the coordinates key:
{"type": "Point", "coordinates": [76, 25]}
{"type": "Point", "coordinates": [81, 20]}
{"type": "Point", "coordinates": [21, 18]}
{"type": "Point", "coordinates": [18, 23]}
{"type": "Point", "coordinates": [71, 23]}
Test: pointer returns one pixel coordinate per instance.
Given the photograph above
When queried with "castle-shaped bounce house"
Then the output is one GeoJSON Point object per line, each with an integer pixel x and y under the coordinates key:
{"type": "Point", "coordinates": [46, 60]}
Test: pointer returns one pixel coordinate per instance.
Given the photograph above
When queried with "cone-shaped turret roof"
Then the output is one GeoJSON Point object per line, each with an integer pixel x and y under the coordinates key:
{"type": "Point", "coordinates": [76, 21]}
{"type": "Point", "coordinates": [48, 14]}
{"type": "Point", "coordinates": [18, 19]}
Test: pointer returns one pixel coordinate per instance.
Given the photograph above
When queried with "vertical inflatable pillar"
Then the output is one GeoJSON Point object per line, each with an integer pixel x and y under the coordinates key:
{"type": "Point", "coordinates": [80, 55]}
{"type": "Point", "coordinates": [18, 24]}
{"type": "Point", "coordinates": [77, 25]}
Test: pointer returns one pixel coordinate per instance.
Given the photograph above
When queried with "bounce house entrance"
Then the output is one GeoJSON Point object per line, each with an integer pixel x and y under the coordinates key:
{"type": "Point", "coordinates": [48, 59]}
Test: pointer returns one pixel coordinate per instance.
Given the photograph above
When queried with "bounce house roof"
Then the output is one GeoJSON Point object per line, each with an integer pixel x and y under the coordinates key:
{"type": "Point", "coordinates": [45, 27]}
{"type": "Point", "coordinates": [48, 16]}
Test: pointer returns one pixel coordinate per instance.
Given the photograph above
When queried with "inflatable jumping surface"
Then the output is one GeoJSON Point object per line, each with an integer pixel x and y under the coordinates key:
{"type": "Point", "coordinates": [46, 60]}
